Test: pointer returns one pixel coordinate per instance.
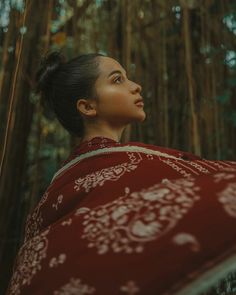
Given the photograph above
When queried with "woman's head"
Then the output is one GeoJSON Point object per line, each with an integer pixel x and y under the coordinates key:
{"type": "Point", "coordinates": [84, 92]}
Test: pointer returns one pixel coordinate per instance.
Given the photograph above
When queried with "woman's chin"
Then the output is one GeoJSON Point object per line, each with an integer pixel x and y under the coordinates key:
{"type": "Point", "coordinates": [142, 116]}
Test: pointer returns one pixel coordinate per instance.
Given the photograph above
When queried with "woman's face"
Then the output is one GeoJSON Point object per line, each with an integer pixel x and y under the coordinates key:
{"type": "Point", "coordinates": [117, 95]}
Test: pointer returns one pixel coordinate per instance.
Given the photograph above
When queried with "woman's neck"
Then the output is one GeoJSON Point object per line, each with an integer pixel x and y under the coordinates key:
{"type": "Point", "coordinates": [105, 132]}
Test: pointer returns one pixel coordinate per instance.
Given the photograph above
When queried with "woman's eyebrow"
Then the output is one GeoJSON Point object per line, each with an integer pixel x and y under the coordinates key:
{"type": "Point", "coordinates": [115, 71]}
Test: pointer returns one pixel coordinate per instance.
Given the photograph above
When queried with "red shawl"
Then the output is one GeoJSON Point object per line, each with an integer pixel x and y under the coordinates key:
{"type": "Point", "coordinates": [130, 219]}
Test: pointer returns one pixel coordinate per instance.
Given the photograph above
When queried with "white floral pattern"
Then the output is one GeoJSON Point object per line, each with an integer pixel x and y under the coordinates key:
{"type": "Point", "coordinates": [125, 224]}
{"type": "Point", "coordinates": [75, 287]}
{"type": "Point", "coordinates": [35, 220]}
{"type": "Point", "coordinates": [66, 222]}
{"type": "Point", "coordinates": [224, 175]}
{"type": "Point", "coordinates": [59, 201]}
{"type": "Point", "coordinates": [56, 261]}
{"type": "Point", "coordinates": [111, 173]}
{"type": "Point", "coordinates": [130, 288]}
{"type": "Point", "coordinates": [175, 166]}
{"type": "Point", "coordinates": [186, 238]}
{"type": "Point", "coordinates": [218, 164]}
{"type": "Point", "coordinates": [199, 167]}
{"type": "Point", "coordinates": [228, 198]}
{"type": "Point", "coordinates": [28, 261]}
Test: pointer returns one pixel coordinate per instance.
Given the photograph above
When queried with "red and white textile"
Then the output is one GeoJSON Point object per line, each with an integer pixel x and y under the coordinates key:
{"type": "Point", "coordinates": [130, 219]}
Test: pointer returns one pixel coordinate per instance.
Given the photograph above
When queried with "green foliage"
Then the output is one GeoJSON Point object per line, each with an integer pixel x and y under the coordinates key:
{"type": "Point", "coordinates": [232, 118]}
{"type": "Point", "coordinates": [224, 99]}
{"type": "Point", "coordinates": [231, 82]}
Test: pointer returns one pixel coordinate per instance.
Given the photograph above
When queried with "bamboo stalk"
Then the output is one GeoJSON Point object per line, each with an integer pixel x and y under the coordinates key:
{"type": "Point", "coordinates": [126, 51]}
{"type": "Point", "coordinates": [38, 111]}
{"type": "Point", "coordinates": [11, 114]}
{"type": "Point", "coordinates": [165, 84]}
{"type": "Point", "coordinates": [190, 79]}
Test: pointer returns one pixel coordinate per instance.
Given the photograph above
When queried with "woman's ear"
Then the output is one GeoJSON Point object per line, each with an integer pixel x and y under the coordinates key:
{"type": "Point", "coordinates": [86, 107]}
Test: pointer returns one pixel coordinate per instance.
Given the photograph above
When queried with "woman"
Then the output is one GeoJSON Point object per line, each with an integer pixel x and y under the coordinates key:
{"type": "Point", "coordinates": [125, 218]}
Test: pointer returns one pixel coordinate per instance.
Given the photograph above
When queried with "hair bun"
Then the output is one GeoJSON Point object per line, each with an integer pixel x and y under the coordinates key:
{"type": "Point", "coordinates": [48, 66]}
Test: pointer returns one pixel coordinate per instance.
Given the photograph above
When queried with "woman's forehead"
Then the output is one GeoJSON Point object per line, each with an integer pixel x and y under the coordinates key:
{"type": "Point", "coordinates": [108, 65]}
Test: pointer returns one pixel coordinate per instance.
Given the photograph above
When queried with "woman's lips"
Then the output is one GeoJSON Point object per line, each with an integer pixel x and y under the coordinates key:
{"type": "Point", "coordinates": [140, 104]}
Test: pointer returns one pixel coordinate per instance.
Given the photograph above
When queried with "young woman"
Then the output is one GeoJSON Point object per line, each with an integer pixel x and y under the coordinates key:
{"type": "Point", "coordinates": [125, 218]}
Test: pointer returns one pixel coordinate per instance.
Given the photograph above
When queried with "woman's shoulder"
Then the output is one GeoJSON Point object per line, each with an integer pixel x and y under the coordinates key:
{"type": "Point", "coordinates": [171, 151]}
{"type": "Point", "coordinates": [99, 143]}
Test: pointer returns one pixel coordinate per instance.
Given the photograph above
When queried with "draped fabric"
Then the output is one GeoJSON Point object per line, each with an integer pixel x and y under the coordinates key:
{"type": "Point", "coordinates": [130, 219]}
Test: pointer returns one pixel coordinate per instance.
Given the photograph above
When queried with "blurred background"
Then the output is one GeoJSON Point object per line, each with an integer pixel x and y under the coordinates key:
{"type": "Point", "coordinates": [182, 52]}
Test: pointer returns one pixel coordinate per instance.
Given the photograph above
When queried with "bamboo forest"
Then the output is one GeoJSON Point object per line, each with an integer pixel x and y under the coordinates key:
{"type": "Point", "coordinates": [182, 53]}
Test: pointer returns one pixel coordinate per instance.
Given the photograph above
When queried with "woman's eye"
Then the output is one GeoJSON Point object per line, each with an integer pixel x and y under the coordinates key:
{"type": "Point", "coordinates": [118, 79]}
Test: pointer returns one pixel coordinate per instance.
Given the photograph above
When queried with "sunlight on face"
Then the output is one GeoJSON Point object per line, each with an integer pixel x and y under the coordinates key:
{"type": "Point", "coordinates": [117, 94]}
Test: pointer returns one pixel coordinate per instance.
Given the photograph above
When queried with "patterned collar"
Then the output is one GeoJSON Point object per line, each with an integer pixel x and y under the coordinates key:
{"type": "Point", "coordinates": [95, 143]}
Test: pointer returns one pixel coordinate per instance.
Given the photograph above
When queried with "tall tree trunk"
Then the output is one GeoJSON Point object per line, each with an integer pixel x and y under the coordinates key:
{"type": "Point", "coordinates": [12, 200]}
{"type": "Point", "coordinates": [7, 71]}
{"type": "Point", "coordinates": [190, 79]}
{"type": "Point", "coordinates": [126, 50]}
{"type": "Point", "coordinates": [165, 81]}
{"type": "Point", "coordinates": [35, 188]}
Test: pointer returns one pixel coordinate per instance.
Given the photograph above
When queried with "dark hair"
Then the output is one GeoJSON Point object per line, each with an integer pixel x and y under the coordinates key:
{"type": "Point", "coordinates": [62, 83]}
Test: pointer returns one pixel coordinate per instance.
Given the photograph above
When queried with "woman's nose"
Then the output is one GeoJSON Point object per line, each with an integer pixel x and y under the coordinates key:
{"type": "Point", "coordinates": [136, 87]}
